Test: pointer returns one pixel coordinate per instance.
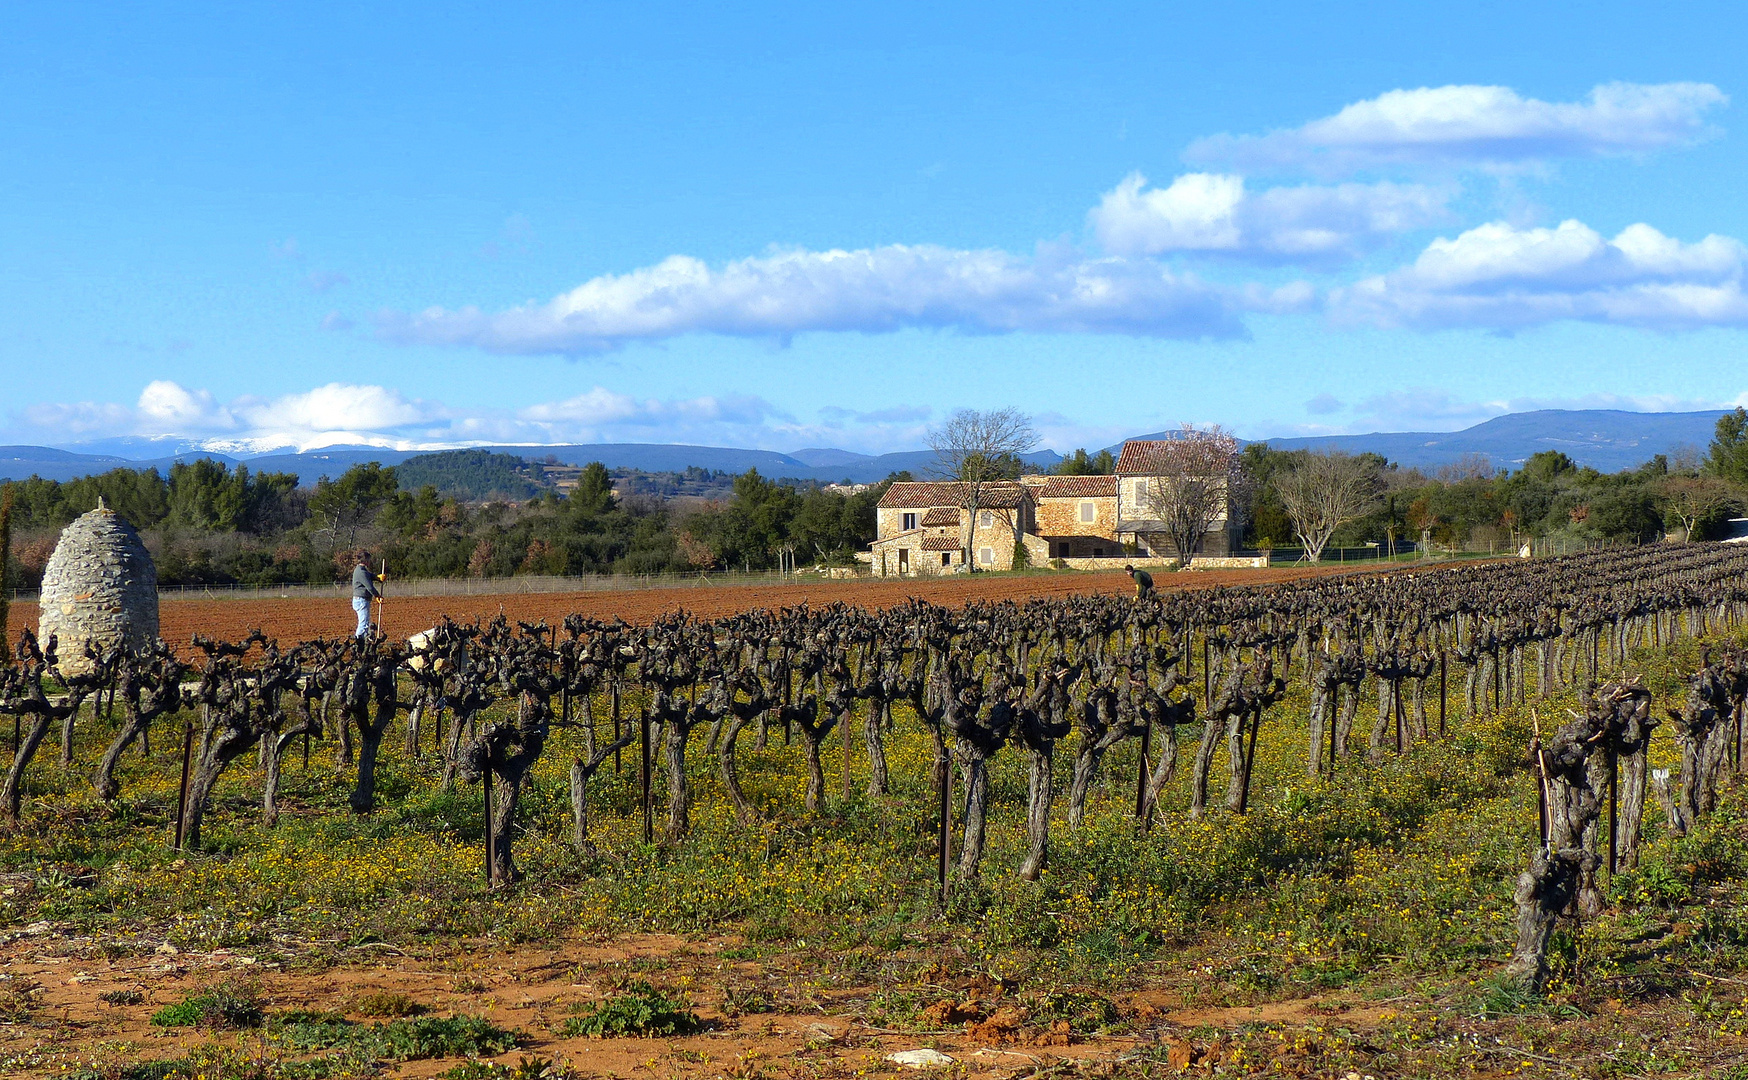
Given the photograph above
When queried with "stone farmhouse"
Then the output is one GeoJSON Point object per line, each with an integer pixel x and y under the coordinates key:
{"type": "Point", "coordinates": [1086, 522]}
{"type": "Point", "coordinates": [920, 528]}
{"type": "Point", "coordinates": [1143, 470]}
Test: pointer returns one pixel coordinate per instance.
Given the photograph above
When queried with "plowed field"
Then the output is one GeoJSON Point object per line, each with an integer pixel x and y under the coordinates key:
{"type": "Point", "coordinates": [302, 618]}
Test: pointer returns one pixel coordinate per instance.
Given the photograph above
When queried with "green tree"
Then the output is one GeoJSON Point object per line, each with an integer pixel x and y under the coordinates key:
{"type": "Point", "coordinates": [1729, 450]}
{"type": "Point", "coordinates": [344, 506]}
{"type": "Point", "coordinates": [753, 527]}
{"type": "Point", "coordinates": [593, 494]}
{"type": "Point", "coordinates": [1080, 464]}
{"type": "Point", "coordinates": [205, 496]}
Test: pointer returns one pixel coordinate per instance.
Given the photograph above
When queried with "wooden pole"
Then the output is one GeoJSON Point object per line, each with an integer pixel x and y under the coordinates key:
{"type": "Point", "coordinates": [1141, 778]}
{"type": "Point", "coordinates": [1614, 827]}
{"type": "Point", "coordinates": [1443, 659]}
{"type": "Point", "coordinates": [945, 837]}
{"type": "Point", "coordinates": [1396, 702]}
{"type": "Point", "coordinates": [648, 814]}
{"type": "Point", "coordinates": [1249, 760]}
{"type": "Point", "coordinates": [486, 801]}
{"type": "Point", "coordinates": [1207, 674]}
{"type": "Point", "coordinates": [182, 794]}
{"type": "Point", "coordinates": [844, 730]}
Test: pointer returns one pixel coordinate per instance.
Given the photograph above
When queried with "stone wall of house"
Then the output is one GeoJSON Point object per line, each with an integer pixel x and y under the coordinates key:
{"type": "Point", "coordinates": [99, 586]}
{"type": "Point", "coordinates": [1062, 517]}
{"type": "Point", "coordinates": [1229, 562]}
{"type": "Point", "coordinates": [1143, 562]}
{"type": "Point", "coordinates": [995, 541]}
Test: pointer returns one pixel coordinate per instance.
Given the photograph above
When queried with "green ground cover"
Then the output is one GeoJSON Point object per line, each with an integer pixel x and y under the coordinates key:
{"type": "Point", "coordinates": [1389, 885]}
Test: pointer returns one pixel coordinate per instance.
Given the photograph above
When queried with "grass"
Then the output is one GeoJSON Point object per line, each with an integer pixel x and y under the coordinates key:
{"type": "Point", "coordinates": [1390, 883]}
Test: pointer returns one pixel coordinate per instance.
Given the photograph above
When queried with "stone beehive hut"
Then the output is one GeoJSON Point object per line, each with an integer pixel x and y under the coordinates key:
{"type": "Point", "coordinates": [99, 585]}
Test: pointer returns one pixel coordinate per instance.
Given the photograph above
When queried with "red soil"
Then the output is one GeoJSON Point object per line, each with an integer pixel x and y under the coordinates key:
{"type": "Point", "coordinates": [303, 618]}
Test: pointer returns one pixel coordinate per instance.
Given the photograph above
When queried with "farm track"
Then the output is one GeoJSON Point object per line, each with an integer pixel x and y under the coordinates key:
{"type": "Point", "coordinates": [302, 618]}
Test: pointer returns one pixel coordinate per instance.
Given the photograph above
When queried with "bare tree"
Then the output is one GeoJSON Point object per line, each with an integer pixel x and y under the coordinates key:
{"type": "Point", "coordinates": [1689, 499]}
{"type": "Point", "coordinates": [1196, 481]}
{"type": "Point", "coordinates": [979, 449]}
{"type": "Point", "coordinates": [1324, 492]}
{"type": "Point", "coordinates": [1471, 466]}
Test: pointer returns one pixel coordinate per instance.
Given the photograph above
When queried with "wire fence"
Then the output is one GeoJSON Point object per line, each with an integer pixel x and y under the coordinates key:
{"type": "Point", "coordinates": [482, 586]}
{"type": "Point", "coordinates": [1402, 551]}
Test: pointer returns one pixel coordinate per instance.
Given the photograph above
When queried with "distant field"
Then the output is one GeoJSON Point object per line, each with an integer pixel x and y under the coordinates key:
{"type": "Point", "coordinates": [297, 618]}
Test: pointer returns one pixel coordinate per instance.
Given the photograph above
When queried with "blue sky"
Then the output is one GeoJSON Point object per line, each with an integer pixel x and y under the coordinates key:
{"type": "Point", "coordinates": [816, 225]}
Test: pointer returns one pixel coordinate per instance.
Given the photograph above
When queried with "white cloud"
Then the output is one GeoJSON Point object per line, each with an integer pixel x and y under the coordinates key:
{"type": "Point", "coordinates": [601, 410]}
{"type": "Point", "coordinates": [369, 415]}
{"type": "Point", "coordinates": [81, 418]}
{"type": "Point", "coordinates": [1477, 126]}
{"type": "Point", "coordinates": [870, 290]}
{"type": "Point", "coordinates": [334, 407]}
{"type": "Point", "coordinates": [1502, 277]}
{"type": "Point", "coordinates": [1213, 213]}
{"type": "Point", "coordinates": [170, 406]}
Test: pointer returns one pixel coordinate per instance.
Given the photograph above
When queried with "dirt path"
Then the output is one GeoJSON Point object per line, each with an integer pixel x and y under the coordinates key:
{"type": "Point", "coordinates": [805, 1024]}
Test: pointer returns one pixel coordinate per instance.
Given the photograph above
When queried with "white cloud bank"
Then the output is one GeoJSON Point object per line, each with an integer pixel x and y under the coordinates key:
{"type": "Point", "coordinates": [1496, 275]}
{"type": "Point", "coordinates": [323, 416]}
{"type": "Point", "coordinates": [368, 415]}
{"type": "Point", "coordinates": [1212, 213]}
{"type": "Point", "coordinates": [1476, 126]}
{"type": "Point", "coordinates": [1499, 276]}
{"type": "Point", "coordinates": [871, 290]}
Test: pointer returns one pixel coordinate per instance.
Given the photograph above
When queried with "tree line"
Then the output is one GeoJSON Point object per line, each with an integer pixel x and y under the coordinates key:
{"type": "Point", "coordinates": [208, 524]}
{"type": "Point", "coordinates": [1314, 499]}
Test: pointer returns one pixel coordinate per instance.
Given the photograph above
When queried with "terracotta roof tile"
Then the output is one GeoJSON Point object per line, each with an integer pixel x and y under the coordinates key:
{"type": "Point", "coordinates": [1080, 487]}
{"type": "Point", "coordinates": [1004, 495]}
{"type": "Point", "coordinates": [1144, 457]}
{"type": "Point", "coordinates": [940, 543]}
{"type": "Point", "coordinates": [941, 515]}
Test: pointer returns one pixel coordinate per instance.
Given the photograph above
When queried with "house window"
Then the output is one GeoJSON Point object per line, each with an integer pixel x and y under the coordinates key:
{"type": "Point", "coordinates": [986, 556]}
{"type": "Point", "coordinates": [986, 519]}
{"type": "Point", "coordinates": [946, 558]}
{"type": "Point", "coordinates": [909, 522]}
{"type": "Point", "coordinates": [1088, 512]}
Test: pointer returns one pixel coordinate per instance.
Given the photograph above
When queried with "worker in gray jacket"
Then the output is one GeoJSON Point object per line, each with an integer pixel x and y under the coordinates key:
{"type": "Point", "coordinates": [364, 590]}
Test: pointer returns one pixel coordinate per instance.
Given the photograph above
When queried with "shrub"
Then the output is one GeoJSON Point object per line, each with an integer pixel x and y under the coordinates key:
{"type": "Point", "coordinates": [386, 1003]}
{"type": "Point", "coordinates": [218, 1007]}
{"type": "Point", "coordinates": [644, 1013]}
{"type": "Point", "coordinates": [398, 1040]}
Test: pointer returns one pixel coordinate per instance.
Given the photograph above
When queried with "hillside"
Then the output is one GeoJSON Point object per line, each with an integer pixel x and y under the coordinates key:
{"type": "Point", "coordinates": [1607, 440]}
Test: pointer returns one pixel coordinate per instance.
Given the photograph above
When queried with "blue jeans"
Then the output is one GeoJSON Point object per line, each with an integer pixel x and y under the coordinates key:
{"type": "Point", "coordinates": [362, 607]}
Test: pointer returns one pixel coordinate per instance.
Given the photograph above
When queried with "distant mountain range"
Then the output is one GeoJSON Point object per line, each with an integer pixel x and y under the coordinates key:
{"type": "Point", "coordinates": [1604, 439]}
{"type": "Point", "coordinates": [824, 465]}
{"type": "Point", "coordinates": [1607, 440]}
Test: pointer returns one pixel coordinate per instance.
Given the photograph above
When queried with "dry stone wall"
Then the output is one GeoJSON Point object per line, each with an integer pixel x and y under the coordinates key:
{"type": "Point", "coordinates": [99, 586]}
